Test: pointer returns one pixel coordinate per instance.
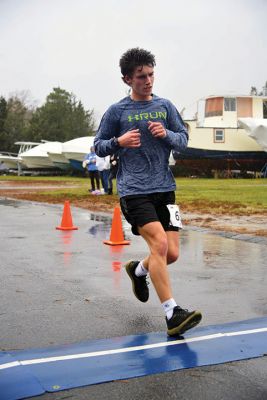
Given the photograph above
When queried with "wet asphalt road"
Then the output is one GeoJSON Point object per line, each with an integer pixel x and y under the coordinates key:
{"type": "Point", "coordinates": [67, 287]}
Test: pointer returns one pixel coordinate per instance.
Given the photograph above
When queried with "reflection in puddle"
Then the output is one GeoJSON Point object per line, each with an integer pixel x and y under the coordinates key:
{"type": "Point", "coordinates": [10, 203]}
{"type": "Point", "coordinates": [102, 230]}
{"type": "Point", "coordinates": [116, 250]}
{"type": "Point", "coordinates": [101, 218]}
{"type": "Point", "coordinates": [66, 237]}
{"type": "Point", "coordinates": [116, 267]}
{"type": "Point", "coordinates": [116, 264]}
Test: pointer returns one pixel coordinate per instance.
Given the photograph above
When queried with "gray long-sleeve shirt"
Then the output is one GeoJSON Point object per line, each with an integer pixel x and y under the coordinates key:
{"type": "Point", "coordinates": [144, 169]}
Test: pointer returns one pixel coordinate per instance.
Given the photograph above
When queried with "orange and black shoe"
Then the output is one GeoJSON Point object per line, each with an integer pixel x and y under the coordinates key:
{"type": "Point", "coordinates": [139, 283]}
{"type": "Point", "coordinates": [182, 320]}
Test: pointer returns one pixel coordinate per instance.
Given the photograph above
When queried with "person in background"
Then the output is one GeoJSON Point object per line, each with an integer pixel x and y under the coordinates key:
{"type": "Point", "coordinates": [114, 159]}
{"type": "Point", "coordinates": [90, 163]}
{"type": "Point", "coordinates": [103, 166]}
{"type": "Point", "coordinates": [143, 128]}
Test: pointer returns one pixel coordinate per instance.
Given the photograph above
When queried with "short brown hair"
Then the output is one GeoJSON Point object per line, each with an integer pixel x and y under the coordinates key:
{"type": "Point", "coordinates": [133, 58]}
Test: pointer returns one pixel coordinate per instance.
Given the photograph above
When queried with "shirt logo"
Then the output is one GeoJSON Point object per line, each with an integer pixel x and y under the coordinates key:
{"type": "Point", "coordinates": [148, 116]}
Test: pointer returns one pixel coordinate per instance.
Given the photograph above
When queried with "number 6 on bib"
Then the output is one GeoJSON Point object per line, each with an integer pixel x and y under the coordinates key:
{"type": "Point", "coordinates": [175, 216]}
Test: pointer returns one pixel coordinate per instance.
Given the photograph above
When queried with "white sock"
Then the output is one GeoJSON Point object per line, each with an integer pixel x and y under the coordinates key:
{"type": "Point", "coordinates": [140, 270]}
{"type": "Point", "coordinates": [168, 307]}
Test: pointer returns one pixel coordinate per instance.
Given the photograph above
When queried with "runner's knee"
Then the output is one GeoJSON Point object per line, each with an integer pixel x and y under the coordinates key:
{"type": "Point", "coordinates": [159, 245]}
{"type": "Point", "coordinates": [172, 255]}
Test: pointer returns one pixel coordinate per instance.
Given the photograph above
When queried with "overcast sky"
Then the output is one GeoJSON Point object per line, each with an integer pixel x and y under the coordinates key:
{"type": "Point", "coordinates": [202, 47]}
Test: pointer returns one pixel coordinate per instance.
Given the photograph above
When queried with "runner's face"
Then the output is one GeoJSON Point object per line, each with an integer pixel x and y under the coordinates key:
{"type": "Point", "coordinates": [141, 82]}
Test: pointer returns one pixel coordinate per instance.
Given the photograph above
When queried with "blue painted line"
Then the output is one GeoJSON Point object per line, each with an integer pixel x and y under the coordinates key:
{"type": "Point", "coordinates": [31, 372]}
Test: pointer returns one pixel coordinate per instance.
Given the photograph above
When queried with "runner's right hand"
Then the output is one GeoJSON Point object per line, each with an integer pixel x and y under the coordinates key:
{"type": "Point", "coordinates": [130, 139]}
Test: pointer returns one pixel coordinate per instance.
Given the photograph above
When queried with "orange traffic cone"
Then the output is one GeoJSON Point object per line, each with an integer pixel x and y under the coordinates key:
{"type": "Point", "coordinates": [66, 222]}
{"type": "Point", "coordinates": [116, 234]}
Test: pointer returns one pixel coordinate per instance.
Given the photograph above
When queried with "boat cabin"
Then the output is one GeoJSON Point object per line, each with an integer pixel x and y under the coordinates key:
{"type": "Point", "coordinates": [224, 111]}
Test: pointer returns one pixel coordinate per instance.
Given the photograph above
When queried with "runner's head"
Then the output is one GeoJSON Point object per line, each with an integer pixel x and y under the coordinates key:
{"type": "Point", "coordinates": [137, 68]}
{"type": "Point", "coordinates": [134, 58]}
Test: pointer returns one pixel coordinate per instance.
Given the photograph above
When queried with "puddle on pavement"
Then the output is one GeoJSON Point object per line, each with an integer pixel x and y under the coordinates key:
{"type": "Point", "coordinates": [116, 267]}
{"type": "Point", "coordinates": [100, 218]}
{"type": "Point", "coordinates": [16, 237]}
{"type": "Point", "coordinates": [10, 203]}
{"type": "Point", "coordinates": [116, 264]}
{"type": "Point", "coordinates": [102, 230]}
{"type": "Point", "coordinates": [66, 237]}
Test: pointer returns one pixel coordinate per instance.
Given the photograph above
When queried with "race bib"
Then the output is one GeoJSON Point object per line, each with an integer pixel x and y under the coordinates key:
{"type": "Point", "coordinates": [175, 216]}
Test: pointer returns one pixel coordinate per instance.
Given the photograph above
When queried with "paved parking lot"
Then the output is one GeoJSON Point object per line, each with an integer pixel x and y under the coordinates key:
{"type": "Point", "coordinates": [68, 287]}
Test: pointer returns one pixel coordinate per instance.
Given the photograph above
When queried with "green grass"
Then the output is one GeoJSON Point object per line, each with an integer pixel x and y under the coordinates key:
{"type": "Point", "coordinates": [220, 196]}
{"type": "Point", "coordinates": [70, 193]}
{"type": "Point", "coordinates": [237, 196]}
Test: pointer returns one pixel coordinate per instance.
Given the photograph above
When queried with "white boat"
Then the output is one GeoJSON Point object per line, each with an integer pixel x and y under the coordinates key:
{"type": "Point", "coordinates": [37, 157]}
{"type": "Point", "coordinates": [13, 160]}
{"type": "Point", "coordinates": [76, 149]}
{"type": "Point", "coordinates": [216, 138]}
{"type": "Point", "coordinates": [58, 159]}
{"type": "Point", "coordinates": [9, 160]}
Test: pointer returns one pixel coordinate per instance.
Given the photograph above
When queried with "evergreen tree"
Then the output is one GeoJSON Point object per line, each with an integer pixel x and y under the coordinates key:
{"type": "Point", "coordinates": [61, 118]}
{"type": "Point", "coordinates": [14, 121]}
{"type": "Point", "coordinates": [3, 113]}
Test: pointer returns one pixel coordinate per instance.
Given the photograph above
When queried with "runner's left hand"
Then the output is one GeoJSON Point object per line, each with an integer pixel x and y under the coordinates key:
{"type": "Point", "coordinates": [157, 129]}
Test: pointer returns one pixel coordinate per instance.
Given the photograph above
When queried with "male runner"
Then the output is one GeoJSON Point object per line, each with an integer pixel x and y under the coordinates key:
{"type": "Point", "coordinates": [143, 128]}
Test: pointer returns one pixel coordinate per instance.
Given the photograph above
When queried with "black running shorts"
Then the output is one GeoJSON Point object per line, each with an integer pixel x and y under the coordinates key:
{"type": "Point", "coordinates": [141, 209]}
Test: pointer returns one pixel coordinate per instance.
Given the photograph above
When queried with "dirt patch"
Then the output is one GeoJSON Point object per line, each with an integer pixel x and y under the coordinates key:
{"type": "Point", "coordinates": [93, 203]}
{"type": "Point", "coordinates": [253, 224]}
{"type": "Point", "coordinates": [56, 184]}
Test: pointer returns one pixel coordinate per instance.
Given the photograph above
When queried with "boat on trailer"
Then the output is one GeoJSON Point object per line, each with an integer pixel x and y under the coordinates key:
{"type": "Point", "coordinates": [37, 157]}
{"type": "Point", "coordinates": [217, 138]}
{"type": "Point", "coordinates": [14, 160]}
{"type": "Point", "coordinates": [75, 150]}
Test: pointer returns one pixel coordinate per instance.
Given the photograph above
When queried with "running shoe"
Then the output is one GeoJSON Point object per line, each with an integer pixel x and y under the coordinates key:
{"type": "Point", "coordinates": [182, 320]}
{"type": "Point", "coordinates": [139, 283]}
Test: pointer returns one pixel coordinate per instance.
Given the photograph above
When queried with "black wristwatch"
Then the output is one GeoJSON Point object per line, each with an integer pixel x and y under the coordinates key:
{"type": "Point", "coordinates": [116, 142]}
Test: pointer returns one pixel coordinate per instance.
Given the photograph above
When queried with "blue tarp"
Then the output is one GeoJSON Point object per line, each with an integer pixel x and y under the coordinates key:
{"type": "Point", "coordinates": [31, 372]}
